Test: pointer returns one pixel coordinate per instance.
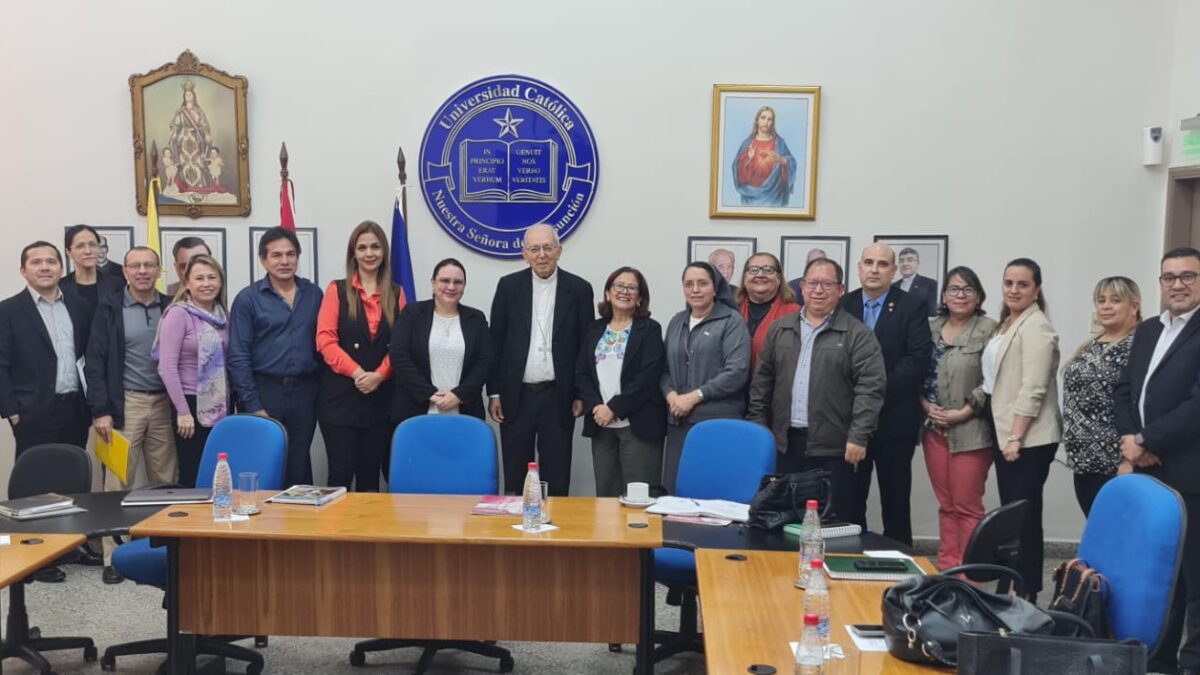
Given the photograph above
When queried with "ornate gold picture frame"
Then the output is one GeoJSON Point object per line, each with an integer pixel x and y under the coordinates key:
{"type": "Point", "coordinates": [764, 151]}
{"type": "Point", "coordinates": [189, 129]}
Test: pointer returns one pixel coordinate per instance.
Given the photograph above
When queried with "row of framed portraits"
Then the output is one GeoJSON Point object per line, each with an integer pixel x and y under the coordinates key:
{"type": "Point", "coordinates": [923, 257]}
{"type": "Point", "coordinates": [116, 240]}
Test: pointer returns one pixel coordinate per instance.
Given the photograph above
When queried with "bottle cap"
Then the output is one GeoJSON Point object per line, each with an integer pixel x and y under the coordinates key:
{"type": "Point", "coordinates": [222, 456]}
{"type": "Point", "coordinates": [533, 466]}
{"type": "Point", "coordinates": [817, 564]}
{"type": "Point", "coordinates": [811, 620]}
{"type": "Point", "coordinates": [811, 504]}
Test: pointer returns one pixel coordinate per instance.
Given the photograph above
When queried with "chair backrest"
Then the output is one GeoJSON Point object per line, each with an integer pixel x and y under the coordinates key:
{"type": "Point", "coordinates": [725, 459]}
{"type": "Point", "coordinates": [1134, 537]}
{"type": "Point", "coordinates": [996, 540]}
{"type": "Point", "coordinates": [254, 443]}
{"type": "Point", "coordinates": [443, 454]}
{"type": "Point", "coordinates": [51, 467]}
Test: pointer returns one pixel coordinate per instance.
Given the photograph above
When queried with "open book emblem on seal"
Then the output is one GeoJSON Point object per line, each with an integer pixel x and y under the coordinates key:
{"type": "Point", "coordinates": [505, 153]}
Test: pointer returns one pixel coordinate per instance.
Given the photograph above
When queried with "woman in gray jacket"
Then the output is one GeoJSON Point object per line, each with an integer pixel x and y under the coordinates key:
{"type": "Point", "coordinates": [708, 361]}
{"type": "Point", "coordinates": [957, 438]}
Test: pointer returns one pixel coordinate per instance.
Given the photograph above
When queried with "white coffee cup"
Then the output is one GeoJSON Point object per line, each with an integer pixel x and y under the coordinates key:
{"type": "Point", "coordinates": [637, 492]}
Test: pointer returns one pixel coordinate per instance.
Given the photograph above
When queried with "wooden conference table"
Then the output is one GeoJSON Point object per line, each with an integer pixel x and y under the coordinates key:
{"type": "Point", "coordinates": [22, 556]}
{"type": "Point", "coordinates": [752, 611]}
{"type": "Point", "coordinates": [409, 566]}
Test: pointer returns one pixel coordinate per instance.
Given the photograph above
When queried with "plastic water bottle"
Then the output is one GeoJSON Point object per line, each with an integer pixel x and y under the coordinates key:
{"type": "Point", "coordinates": [816, 598]}
{"type": "Point", "coordinates": [531, 502]}
{"type": "Point", "coordinates": [812, 544]}
{"type": "Point", "coordinates": [810, 656]}
{"type": "Point", "coordinates": [222, 490]}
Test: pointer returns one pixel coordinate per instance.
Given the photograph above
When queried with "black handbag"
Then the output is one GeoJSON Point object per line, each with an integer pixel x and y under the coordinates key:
{"type": "Point", "coordinates": [994, 654]}
{"type": "Point", "coordinates": [923, 616]}
{"type": "Point", "coordinates": [1081, 590]}
{"type": "Point", "coordinates": [781, 498]}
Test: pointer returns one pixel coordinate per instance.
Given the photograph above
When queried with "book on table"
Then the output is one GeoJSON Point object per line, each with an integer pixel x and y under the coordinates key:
{"type": "Point", "coordinates": [711, 508]}
{"type": "Point", "coordinates": [37, 504]}
{"type": "Point", "coordinates": [848, 567]}
{"type": "Point", "coordinates": [498, 505]}
{"type": "Point", "coordinates": [829, 530]}
{"type": "Point", "coordinates": [311, 495]}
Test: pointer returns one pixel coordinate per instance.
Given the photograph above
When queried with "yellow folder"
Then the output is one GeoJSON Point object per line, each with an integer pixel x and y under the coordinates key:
{"type": "Point", "coordinates": [114, 455]}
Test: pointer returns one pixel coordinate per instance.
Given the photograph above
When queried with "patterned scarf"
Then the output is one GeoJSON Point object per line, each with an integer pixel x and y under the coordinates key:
{"type": "Point", "coordinates": [212, 397]}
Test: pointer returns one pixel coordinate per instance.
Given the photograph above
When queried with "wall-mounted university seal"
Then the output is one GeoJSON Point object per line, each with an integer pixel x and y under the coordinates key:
{"type": "Point", "coordinates": [504, 153]}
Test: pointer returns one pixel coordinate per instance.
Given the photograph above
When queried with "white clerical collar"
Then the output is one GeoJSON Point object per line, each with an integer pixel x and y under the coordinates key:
{"type": "Point", "coordinates": [1166, 319]}
{"type": "Point", "coordinates": [548, 280]}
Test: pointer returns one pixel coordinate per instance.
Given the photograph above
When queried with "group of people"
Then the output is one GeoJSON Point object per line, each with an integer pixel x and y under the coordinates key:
{"type": "Point", "coordinates": [850, 383]}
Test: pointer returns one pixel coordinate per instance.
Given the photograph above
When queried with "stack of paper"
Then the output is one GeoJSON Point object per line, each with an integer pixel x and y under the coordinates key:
{"type": "Point", "coordinates": [712, 508]}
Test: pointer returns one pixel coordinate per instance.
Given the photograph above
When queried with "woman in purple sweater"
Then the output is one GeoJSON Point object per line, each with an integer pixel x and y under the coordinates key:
{"type": "Point", "coordinates": [193, 337]}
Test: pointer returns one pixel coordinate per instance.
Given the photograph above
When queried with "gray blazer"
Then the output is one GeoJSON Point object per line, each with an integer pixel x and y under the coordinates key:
{"type": "Point", "coordinates": [847, 380]}
{"type": "Point", "coordinates": [714, 357]}
{"type": "Point", "coordinates": [960, 381]}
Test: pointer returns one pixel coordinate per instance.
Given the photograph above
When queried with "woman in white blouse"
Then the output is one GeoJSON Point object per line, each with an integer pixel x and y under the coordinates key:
{"type": "Point", "coordinates": [441, 351]}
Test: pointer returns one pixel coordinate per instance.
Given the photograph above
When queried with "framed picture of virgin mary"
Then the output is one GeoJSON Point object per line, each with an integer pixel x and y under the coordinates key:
{"type": "Point", "coordinates": [764, 152]}
{"type": "Point", "coordinates": [189, 131]}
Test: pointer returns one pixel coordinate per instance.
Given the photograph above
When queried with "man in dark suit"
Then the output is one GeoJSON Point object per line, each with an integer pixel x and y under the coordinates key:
{"type": "Point", "coordinates": [902, 328]}
{"type": "Point", "coordinates": [922, 288]}
{"type": "Point", "coordinates": [538, 318]}
{"type": "Point", "coordinates": [1157, 413]}
{"type": "Point", "coordinates": [43, 333]}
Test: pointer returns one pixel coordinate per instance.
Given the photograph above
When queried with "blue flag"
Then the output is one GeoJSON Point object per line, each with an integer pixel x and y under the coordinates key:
{"type": "Point", "coordinates": [402, 270]}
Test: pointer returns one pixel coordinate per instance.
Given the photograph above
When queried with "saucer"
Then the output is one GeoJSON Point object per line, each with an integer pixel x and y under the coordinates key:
{"type": "Point", "coordinates": [644, 504]}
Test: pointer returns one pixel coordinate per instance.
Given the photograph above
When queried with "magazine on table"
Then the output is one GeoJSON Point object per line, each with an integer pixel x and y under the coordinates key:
{"type": "Point", "coordinates": [310, 495]}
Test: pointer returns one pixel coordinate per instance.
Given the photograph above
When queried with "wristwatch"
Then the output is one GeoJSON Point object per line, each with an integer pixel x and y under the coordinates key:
{"type": "Point", "coordinates": [1137, 438]}
{"type": "Point", "coordinates": [1011, 438]}
{"type": "Point", "coordinates": [700, 394]}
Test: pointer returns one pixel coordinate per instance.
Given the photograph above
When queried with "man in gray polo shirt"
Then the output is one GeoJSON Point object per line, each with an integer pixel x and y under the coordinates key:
{"type": "Point", "coordinates": [124, 391]}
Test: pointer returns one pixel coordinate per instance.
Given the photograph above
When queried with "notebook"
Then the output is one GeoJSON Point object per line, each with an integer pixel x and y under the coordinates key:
{"type": "Point", "coordinates": [842, 567]}
{"type": "Point", "coordinates": [829, 530]}
{"type": "Point", "coordinates": [28, 506]}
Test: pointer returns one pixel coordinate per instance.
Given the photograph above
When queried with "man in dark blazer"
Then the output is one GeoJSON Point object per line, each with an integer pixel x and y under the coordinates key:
{"type": "Point", "coordinates": [1157, 413]}
{"type": "Point", "coordinates": [923, 288]}
{"type": "Point", "coordinates": [43, 334]}
{"type": "Point", "coordinates": [538, 318]}
{"type": "Point", "coordinates": [901, 325]}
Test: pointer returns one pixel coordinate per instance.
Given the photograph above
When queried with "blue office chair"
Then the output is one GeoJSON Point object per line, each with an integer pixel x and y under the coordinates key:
{"type": "Point", "coordinates": [722, 459]}
{"type": "Point", "coordinates": [1134, 537]}
{"type": "Point", "coordinates": [440, 454]}
{"type": "Point", "coordinates": [253, 443]}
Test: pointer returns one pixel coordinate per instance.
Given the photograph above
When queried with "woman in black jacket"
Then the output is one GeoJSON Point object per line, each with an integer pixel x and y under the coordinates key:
{"type": "Point", "coordinates": [617, 376]}
{"type": "Point", "coordinates": [441, 351]}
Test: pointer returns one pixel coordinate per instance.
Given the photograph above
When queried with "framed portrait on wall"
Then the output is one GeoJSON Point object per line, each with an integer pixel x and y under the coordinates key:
{"type": "Point", "coordinates": [795, 252]}
{"type": "Point", "coordinates": [921, 264]}
{"type": "Point", "coordinates": [308, 254]}
{"type": "Point", "coordinates": [725, 254]}
{"type": "Point", "coordinates": [764, 151]}
{"type": "Point", "coordinates": [213, 237]}
{"type": "Point", "coordinates": [115, 242]}
{"type": "Point", "coordinates": [189, 129]}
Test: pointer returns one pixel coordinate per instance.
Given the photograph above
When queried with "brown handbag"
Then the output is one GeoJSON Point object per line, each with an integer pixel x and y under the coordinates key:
{"type": "Point", "coordinates": [1082, 591]}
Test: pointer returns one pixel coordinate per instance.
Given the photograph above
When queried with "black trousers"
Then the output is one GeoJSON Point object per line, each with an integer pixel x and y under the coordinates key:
{"type": "Point", "coordinates": [190, 450]}
{"type": "Point", "coordinates": [1187, 599]}
{"type": "Point", "coordinates": [356, 454]}
{"type": "Point", "coordinates": [1024, 479]}
{"type": "Point", "coordinates": [892, 463]}
{"type": "Point", "coordinates": [1087, 486]}
{"type": "Point", "coordinates": [67, 421]}
{"type": "Point", "coordinates": [293, 402]}
{"type": "Point", "coordinates": [540, 421]}
{"type": "Point", "coordinates": [842, 479]}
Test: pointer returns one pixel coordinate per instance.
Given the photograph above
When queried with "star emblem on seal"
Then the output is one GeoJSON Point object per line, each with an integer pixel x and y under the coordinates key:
{"type": "Point", "coordinates": [508, 124]}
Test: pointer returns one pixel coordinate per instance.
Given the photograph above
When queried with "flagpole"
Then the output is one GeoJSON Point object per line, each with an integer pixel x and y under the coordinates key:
{"type": "Point", "coordinates": [400, 164]}
{"type": "Point", "coordinates": [283, 162]}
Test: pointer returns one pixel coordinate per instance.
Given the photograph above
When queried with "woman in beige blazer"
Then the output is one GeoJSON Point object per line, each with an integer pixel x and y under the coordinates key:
{"type": "Point", "coordinates": [1020, 364]}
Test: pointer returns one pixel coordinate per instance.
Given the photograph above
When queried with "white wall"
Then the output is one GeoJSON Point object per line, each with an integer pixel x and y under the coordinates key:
{"type": "Point", "coordinates": [1185, 81]}
{"type": "Point", "coordinates": [1011, 126]}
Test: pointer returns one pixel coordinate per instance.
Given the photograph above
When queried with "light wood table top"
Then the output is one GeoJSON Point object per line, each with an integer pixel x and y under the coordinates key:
{"type": "Point", "coordinates": [396, 518]}
{"type": "Point", "coordinates": [18, 560]}
{"type": "Point", "coordinates": [752, 611]}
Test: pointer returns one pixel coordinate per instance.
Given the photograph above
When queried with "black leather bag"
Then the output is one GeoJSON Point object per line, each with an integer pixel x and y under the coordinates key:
{"type": "Point", "coordinates": [1081, 591]}
{"type": "Point", "coordinates": [994, 654]}
{"type": "Point", "coordinates": [923, 616]}
{"type": "Point", "coordinates": [781, 498]}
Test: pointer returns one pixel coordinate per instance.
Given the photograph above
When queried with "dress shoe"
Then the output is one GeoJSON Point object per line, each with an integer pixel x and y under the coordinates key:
{"type": "Point", "coordinates": [1188, 671]}
{"type": "Point", "coordinates": [111, 576]}
{"type": "Point", "coordinates": [50, 575]}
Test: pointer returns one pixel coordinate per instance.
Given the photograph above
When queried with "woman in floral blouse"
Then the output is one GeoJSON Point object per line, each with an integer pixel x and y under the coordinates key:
{"type": "Point", "coordinates": [1089, 433]}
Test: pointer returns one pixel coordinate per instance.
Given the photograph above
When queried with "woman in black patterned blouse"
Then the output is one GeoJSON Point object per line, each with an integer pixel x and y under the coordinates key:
{"type": "Point", "coordinates": [1089, 433]}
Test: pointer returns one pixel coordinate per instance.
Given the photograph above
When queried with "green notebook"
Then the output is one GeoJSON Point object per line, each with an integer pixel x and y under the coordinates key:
{"type": "Point", "coordinates": [842, 567]}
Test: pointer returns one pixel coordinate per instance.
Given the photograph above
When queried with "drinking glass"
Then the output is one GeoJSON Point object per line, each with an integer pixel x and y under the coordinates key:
{"type": "Point", "coordinates": [247, 498]}
{"type": "Point", "coordinates": [545, 502]}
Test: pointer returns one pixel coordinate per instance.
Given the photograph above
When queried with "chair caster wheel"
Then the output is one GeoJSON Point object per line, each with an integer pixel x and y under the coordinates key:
{"type": "Point", "coordinates": [506, 664]}
{"type": "Point", "coordinates": [35, 633]}
{"type": "Point", "coordinates": [108, 663]}
{"type": "Point", "coordinates": [261, 641]}
{"type": "Point", "coordinates": [358, 658]}
{"type": "Point", "coordinates": [90, 654]}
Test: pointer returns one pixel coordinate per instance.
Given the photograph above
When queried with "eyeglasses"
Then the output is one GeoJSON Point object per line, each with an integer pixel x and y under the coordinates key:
{"type": "Point", "coordinates": [823, 284]}
{"type": "Point", "coordinates": [624, 288]}
{"type": "Point", "coordinates": [762, 269]}
{"type": "Point", "coordinates": [451, 282]}
{"type": "Point", "coordinates": [1188, 279]}
{"type": "Point", "coordinates": [538, 250]}
{"type": "Point", "coordinates": [961, 291]}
